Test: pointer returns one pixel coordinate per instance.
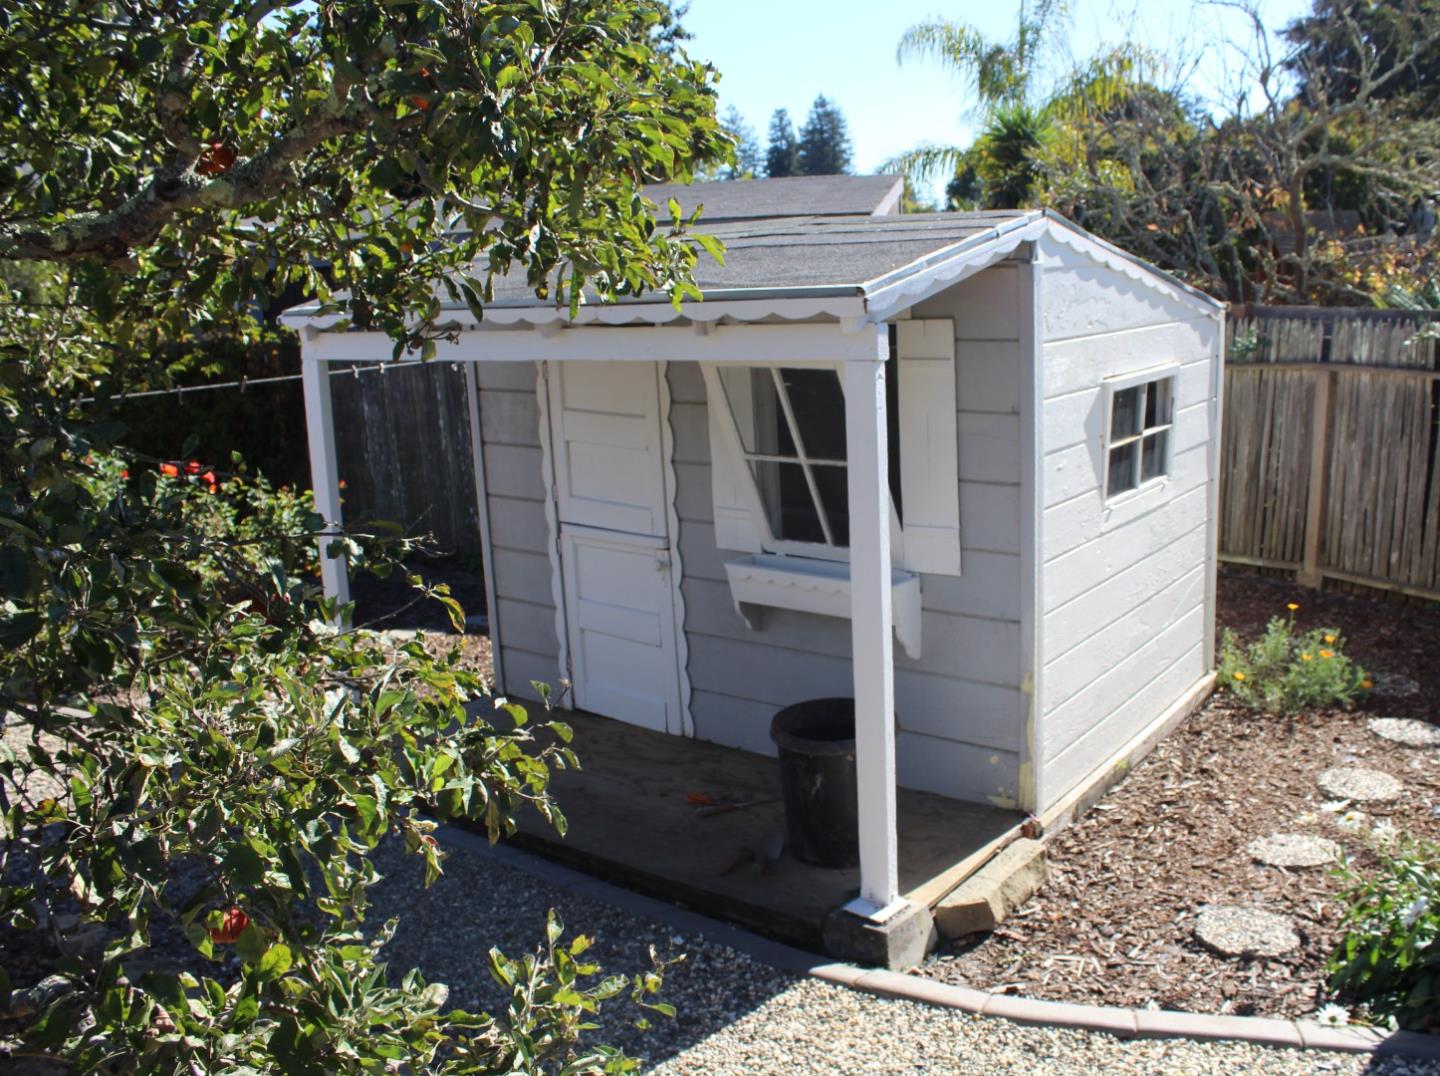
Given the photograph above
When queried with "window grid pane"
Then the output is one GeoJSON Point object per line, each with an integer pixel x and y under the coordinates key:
{"type": "Point", "coordinates": [1125, 412]}
{"type": "Point", "coordinates": [1138, 442]}
{"type": "Point", "coordinates": [1152, 457]}
{"type": "Point", "coordinates": [795, 448]}
{"type": "Point", "coordinates": [1122, 469]}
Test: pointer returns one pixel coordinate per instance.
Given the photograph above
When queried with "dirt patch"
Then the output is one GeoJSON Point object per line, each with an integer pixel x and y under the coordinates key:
{"type": "Point", "coordinates": [1115, 923]}
{"type": "Point", "coordinates": [393, 606]}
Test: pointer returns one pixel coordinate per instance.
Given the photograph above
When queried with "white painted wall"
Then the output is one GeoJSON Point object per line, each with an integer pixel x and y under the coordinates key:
{"type": "Point", "coordinates": [510, 433]}
{"type": "Point", "coordinates": [959, 707]}
{"type": "Point", "coordinates": [1124, 589]}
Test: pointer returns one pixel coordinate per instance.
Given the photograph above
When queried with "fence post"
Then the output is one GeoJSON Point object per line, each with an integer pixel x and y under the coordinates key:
{"type": "Point", "coordinates": [1316, 502]}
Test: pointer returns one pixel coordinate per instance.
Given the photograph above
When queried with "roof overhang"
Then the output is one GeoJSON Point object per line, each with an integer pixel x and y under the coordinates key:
{"type": "Point", "coordinates": [854, 305]}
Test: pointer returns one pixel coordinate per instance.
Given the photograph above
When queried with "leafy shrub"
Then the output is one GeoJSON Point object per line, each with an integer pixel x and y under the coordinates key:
{"type": "Point", "coordinates": [221, 763]}
{"type": "Point", "coordinates": [1285, 672]}
{"type": "Point", "coordinates": [1388, 959]}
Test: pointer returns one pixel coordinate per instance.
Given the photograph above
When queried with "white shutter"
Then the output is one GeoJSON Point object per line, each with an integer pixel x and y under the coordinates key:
{"type": "Point", "coordinates": [736, 526]}
{"type": "Point", "coordinates": [929, 445]}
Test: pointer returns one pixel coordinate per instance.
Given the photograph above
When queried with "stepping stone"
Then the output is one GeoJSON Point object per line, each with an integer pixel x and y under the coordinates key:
{"type": "Point", "coordinates": [1410, 731]}
{"type": "Point", "coordinates": [1294, 850]}
{"type": "Point", "coordinates": [1354, 783]}
{"type": "Point", "coordinates": [1394, 686]}
{"type": "Point", "coordinates": [1235, 931]}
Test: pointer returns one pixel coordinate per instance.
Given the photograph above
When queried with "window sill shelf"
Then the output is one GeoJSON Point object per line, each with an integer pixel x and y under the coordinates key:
{"type": "Point", "coordinates": [820, 587]}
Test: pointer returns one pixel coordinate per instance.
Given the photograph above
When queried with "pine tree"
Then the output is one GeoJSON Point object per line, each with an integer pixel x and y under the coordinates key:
{"type": "Point", "coordinates": [782, 153]}
{"type": "Point", "coordinates": [748, 159]}
{"type": "Point", "coordinates": [824, 148]}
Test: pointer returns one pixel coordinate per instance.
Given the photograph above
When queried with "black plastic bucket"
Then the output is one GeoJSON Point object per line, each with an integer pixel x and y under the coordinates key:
{"type": "Point", "coordinates": [817, 780]}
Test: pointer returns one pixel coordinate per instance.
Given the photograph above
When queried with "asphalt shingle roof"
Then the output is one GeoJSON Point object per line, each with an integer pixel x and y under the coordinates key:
{"type": "Point", "coordinates": [790, 196]}
{"type": "Point", "coordinates": [809, 252]}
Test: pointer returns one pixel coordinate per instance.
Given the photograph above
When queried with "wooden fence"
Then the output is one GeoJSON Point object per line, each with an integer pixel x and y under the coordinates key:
{"type": "Point", "coordinates": [1330, 462]}
{"type": "Point", "coordinates": [402, 438]}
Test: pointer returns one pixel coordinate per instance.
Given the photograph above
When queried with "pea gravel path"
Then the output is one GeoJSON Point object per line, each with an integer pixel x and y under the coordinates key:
{"type": "Point", "coordinates": [737, 1015]}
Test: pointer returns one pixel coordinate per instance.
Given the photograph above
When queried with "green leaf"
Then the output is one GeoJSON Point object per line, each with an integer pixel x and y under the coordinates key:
{"type": "Point", "coordinates": [712, 245]}
{"type": "Point", "coordinates": [275, 963]}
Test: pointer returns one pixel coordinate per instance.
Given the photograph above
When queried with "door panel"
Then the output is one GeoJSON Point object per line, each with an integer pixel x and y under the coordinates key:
{"type": "Point", "coordinates": [612, 506]}
{"type": "Point", "coordinates": [608, 471]}
{"type": "Point", "coordinates": [622, 638]}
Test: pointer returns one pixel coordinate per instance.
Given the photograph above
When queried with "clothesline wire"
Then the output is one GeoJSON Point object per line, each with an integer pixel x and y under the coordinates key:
{"type": "Point", "coordinates": [247, 382]}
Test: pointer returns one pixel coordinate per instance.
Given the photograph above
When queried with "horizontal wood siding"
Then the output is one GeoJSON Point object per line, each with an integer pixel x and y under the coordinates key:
{"type": "Point", "coordinates": [959, 707]}
{"type": "Point", "coordinates": [514, 480]}
{"type": "Point", "coordinates": [1124, 586]}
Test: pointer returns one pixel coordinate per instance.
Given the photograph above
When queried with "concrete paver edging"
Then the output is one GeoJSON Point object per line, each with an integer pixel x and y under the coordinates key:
{"type": "Point", "coordinates": [1125, 1023]}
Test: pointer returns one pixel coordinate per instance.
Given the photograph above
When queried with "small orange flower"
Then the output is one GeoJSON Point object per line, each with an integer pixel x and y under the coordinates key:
{"type": "Point", "coordinates": [1327, 653]}
{"type": "Point", "coordinates": [169, 470]}
{"type": "Point", "coordinates": [1291, 606]}
{"type": "Point", "coordinates": [1239, 676]}
{"type": "Point", "coordinates": [1367, 683]}
{"type": "Point", "coordinates": [1329, 638]}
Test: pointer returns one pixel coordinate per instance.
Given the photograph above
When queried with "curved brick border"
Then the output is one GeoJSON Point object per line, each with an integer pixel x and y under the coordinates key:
{"type": "Point", "coordinates": [1125, 1023]}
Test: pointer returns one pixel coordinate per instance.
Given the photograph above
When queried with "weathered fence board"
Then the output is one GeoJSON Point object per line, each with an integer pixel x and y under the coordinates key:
{"type": "Point", "coordinates": [1330, 460]}
{"type": "Point", "coordinates": [403, 441]}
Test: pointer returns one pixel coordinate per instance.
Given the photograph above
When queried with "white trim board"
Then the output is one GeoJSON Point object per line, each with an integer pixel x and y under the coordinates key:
{"type": "Point", "coordinates": [487, 547]}
{"type": "Point", "coordinates": [562, 697]}
{"type": "Point", "coordinates": [809, 343]}
{"type": "Point", "coordinates": [677, 564]}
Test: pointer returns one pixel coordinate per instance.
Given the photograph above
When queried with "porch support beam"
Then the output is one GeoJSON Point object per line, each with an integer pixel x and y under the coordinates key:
{"type": "Point", "coordinates": [871, 636]}
{"type": "Point", "coordinates": [324, 468]}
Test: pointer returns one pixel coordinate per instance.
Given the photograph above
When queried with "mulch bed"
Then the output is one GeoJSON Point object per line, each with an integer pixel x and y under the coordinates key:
{"type": "Point", "coordinates": [1114, 924]}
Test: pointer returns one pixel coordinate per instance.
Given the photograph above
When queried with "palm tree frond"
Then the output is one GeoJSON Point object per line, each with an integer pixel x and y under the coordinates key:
{"type": "Point", "coordinates": [925, 163]}
{"type": "Point", "coordinates": [952, 44]}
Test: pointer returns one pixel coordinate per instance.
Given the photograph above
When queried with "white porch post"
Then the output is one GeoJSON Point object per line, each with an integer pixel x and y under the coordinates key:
{"type": "Point", "coordinates": [870, 627]}
{"type": "Point", "coordinates": [324, 471]}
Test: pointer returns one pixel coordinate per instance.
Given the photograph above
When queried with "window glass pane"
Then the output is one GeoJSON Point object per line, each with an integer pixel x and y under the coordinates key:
{"type": "Point", "coordinates": [1125, 413]}
{"type": "Point", "coordinates": [819, 406]}
{"type": "Point", "coordinates": [787, 500]}
{"type": "Point", "coordinates": [1122, 469]}
{"type": "Point", "coordinates": [756, 406]}
{"type": "Point", "coordinates": [1157, 404]}
{"type": "Point", "coordinates": [833, 484]}
{"type": "Point", "coordinates": [1152, 459]}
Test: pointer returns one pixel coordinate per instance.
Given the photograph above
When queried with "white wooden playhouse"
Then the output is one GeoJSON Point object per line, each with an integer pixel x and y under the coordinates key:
{"type": "Point", "coordinates": [962, 466]}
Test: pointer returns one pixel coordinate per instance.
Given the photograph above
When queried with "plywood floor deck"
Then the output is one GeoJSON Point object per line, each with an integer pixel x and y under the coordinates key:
{"type": "Point", "coordinates": [630, 822]}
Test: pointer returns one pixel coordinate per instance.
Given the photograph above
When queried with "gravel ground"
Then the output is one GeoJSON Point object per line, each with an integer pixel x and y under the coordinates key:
{"type": "Point", "coordinates": [735, 1015]}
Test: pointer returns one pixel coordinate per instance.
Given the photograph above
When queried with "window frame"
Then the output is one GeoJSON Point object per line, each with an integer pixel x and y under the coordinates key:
{"type": "Point", "coordinates": [1167, 373]}
{"type": "Point", "coordinates": [924, 436]}
{"type": "Point", "coordinates": [769, 541]}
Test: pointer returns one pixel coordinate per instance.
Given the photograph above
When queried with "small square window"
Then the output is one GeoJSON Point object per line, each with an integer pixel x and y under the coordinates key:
{"type": "Point", "coordinates": [1137, 448]}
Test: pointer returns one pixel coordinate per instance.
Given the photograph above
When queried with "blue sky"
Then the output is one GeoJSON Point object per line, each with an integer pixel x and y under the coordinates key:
{"type": "Point", "coordinates": [781, 53]}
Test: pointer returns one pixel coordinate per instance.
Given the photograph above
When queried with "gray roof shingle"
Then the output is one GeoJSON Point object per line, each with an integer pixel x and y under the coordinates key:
{"type": "Point", "coordinates": [790, 196]}
{"type": "Point", "coordinates": [817, 252]}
